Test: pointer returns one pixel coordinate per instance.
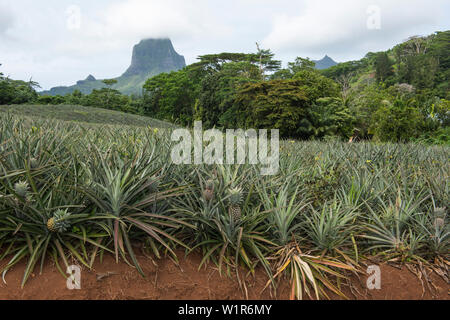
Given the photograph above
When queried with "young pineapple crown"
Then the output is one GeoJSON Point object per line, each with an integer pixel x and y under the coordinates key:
{"type": "Point", "coordinates": [209, 185]}
{"type": "Point", "coordinates": [34, 163]}
{"type": "Point", "coordinates": [21, 188]}
{"type": "Point", "coordinates": [235, 196]}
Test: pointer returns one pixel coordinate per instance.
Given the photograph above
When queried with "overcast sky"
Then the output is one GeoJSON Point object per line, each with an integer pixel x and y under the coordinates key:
{"type": "Point", "coordinates": [57, 42]}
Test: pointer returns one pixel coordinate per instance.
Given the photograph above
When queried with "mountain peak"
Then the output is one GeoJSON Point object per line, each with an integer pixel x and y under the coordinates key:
{"type": "Point", "coordinates": [150, 58]}
{"type": "Point", "coordinates": [153, 56]}
{"type": "Point", "coordinates": [90, 78]}
{"type": "Point", "coordinates": [325, 63]}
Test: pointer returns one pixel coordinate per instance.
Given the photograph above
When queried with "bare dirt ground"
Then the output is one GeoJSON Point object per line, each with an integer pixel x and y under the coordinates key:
{"type": "Point", "coordinates": [167, 281]}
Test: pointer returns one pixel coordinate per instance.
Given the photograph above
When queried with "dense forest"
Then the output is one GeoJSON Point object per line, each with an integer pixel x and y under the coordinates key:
{"type": "Point", "coordinates": [398, 95]}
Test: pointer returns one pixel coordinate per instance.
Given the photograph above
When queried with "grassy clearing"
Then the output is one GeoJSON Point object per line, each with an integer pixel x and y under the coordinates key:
{"type": "Point", "coordinates": [83, 115]}
{"type": "Point", "coordinates": [331, 204]}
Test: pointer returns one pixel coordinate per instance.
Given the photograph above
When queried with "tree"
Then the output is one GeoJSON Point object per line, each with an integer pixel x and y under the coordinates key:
{"type": "Point", "coordinates": [266, 62]}
{"type": "Point", "coordinates": [384, 67]}
{"type": "Point", "coordinates": [397, 122]}
{"type": "Point", "coordinates": [108, 91]}
{"type": "Point", "coordinates": [171, 96]}
{"type": "Point", "coordinates": [365, 103]}
{"type": "Point", "coordinates": [300, 64]}
{"type": "Point", "coordinates": [315, 85]}
{"type": "Point", "coordinates": [218, 91]}
{"type": "Point", "coordinates": [345, 81]}
{"type": "Point", "coordinates": [331, 117]}
{"type": "Point", "coordinates": [17, 91]}
{"type": "Point", "coordinates": [276, 104]}
{"type": "Point", "coordinates": [107, 98]}
{"type": "Point", "coordinates": [211, 63]}
{"type": "Point", "coordinates": [283, 104]}
{"type": "Point", "coordinates": [206, 89]}
{"type": "Point", "coordinates": [109, 82]}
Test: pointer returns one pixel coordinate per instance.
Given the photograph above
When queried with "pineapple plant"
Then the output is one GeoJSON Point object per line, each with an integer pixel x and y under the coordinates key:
{"type": "Point", "coordinates": [57, 223]}
{"type": "Point", "coordinates": [208, 193]}
{"type": "Point", "coordinates": [235, 200]}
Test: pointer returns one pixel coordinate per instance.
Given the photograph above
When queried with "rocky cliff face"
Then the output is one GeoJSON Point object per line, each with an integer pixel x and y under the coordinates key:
{"type": "Point", "coordinates": [154, 56]}
{"type": "Point", "coordinates": [150, 58]}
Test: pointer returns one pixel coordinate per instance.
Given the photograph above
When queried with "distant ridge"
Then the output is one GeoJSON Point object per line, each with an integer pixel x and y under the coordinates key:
{"type": "Point", "coordinates": [325, 63]}
{"type": "Point", "coordinates": [150, 57]}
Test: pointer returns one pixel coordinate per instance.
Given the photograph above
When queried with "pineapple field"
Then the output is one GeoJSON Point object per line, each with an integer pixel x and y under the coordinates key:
{"type": "Point", "coordinates": [87, 193]}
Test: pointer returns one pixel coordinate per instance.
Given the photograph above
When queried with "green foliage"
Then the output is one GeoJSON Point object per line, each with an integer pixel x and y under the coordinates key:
{"type": "Point", "coordinates": [315, 85]}
{"type": "Point", "coordinates": [331, 117]}
{"type": "Point", "coordinates": [397, 122]}
{"type": "Point", "coordinates": [109, 82]}
{"type": "Point", "coordinates": [277, 104]}
{"type": "Point", "coordinates": [53, 100]}
{"type": "Point", "coordinates": [214, 62]}
{"type": "Point", "coordinates": [171, 96]}
{"type": "Point", "coordinates": [206, 90]}
{"type": "Point", "coordinates": [383, 67]}
{"type": "Point", "coordinates": [16, 91]}
{"type": "Point", "coordinates": [364, 104]}
{"type": "Point", "coordinates": [438, 137]}
{"type": "Point", "coordinates": [300, 64]}
{"type": "Point", "coordinates": [218, 94]}
{"type": "Point", "coordinates": [105, 98]}
{"type": "Point", "coordinates": [346, 68]}
{"type": "Point", "coordinates": [285, 104]}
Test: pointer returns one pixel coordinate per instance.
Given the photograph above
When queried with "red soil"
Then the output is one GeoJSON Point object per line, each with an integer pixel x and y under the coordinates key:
{"type": "Point", "coordinates": [170, 282]}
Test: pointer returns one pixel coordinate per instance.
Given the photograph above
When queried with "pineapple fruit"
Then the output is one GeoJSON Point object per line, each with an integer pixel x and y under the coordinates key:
{"type": "Point", "coordinates": [439, 217]}
{"type": "Point", "coordinates": [235, 209]}
{"type": "Point", "coordinates": [51, 224]}
{"type": "Point", "coordinates": [57, 222]}
{"type": "Point", "coordinates": [208, 193]}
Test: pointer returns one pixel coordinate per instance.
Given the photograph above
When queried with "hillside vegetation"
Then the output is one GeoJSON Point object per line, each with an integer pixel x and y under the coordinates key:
{"type": "Point", "coordinates": [401, 95]}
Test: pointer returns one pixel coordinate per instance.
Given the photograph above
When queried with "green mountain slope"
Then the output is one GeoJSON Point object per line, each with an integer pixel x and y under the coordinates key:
{"type": "Point", "coordinates": [421, 61]}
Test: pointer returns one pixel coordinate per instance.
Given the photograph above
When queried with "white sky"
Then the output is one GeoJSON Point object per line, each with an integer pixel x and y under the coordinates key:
{"type": "Point", "coordinates": [45, 40]}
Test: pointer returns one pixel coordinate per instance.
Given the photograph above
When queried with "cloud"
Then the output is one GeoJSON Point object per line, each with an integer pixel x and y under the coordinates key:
{"type": "Point", "coordinates": [6, 18]}
{"type": "Point", "coordinates": [44, 39]}
{"type": "Point", "coordinates": [341, 26]}
{"type": "Point", "coordinates": [138, 19]}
